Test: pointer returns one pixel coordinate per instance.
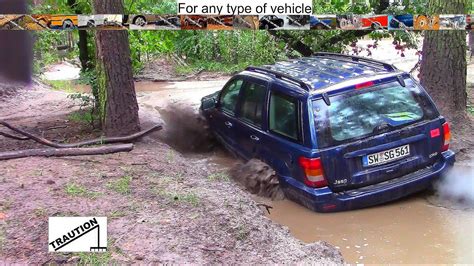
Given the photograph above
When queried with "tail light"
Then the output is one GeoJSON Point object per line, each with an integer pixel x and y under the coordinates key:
{"type": "Point", "coordinates": [447, 137]}
{"type": "Point", "coordinates": [314, 173]}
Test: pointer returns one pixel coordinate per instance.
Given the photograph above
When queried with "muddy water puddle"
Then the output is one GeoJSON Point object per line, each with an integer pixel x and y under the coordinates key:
{"type": "Point", "coordinates": [406, 231]}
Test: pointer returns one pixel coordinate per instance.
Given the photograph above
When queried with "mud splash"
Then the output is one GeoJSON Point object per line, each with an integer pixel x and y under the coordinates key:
{"type": "Point", "coordinates": [186, 130]}
{"type": "Point", "coordinates": [258, 178]}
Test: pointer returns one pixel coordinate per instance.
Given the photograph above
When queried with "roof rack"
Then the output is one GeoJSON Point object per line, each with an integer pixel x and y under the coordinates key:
{"type": "Point", "coordinates": [358, 59]}
{"type": "Point", "coordinates": [280, 75]}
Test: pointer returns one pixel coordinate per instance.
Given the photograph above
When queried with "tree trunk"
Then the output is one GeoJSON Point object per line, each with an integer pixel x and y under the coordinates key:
{"type": "Point", "coordinates": [16, 51]}
{"type": "Point", "coordinates": [444, 68]}
{"type": "Point", "coordinates": [115, 64]}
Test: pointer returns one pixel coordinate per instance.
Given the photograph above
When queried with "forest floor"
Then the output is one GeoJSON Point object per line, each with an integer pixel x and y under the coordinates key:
{"type": "Point", "coordinates": [162, 207]}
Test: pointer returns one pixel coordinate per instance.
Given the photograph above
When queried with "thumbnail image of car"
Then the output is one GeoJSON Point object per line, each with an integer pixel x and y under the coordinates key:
{"type": "Point", "coordinates": [323, 22]}
{"type": "Point", "coordinates": [152, 21]}
{"type": "Point", "coordinates": [378, 22]}
{"type": "Point", "coordinates": [100, 21]}
{"type": "Point", "coordinates": [271, 22]}
{"type": "Point", "coordinates": [349, 22]}
{"type": "Point", "coordinates": [469, 22]}
{"type": "Point", "coordinates": [401, 22]}
{"type": "Point", "coordinates": [193, 22]}
{"type": "Point", "coordinates": [341, 132]}
{"type": "Point", "coordinates": [220, 22]}
{"type": "Point", "coordinates": [299, 20]}
{"type": "Point", "coordinates": [452, 22]}
{"type": "Point", "coordinates": [65, 22]}
{"type": "Point", "coordinates": [245, 22]}
{"type": "Point", "coordinates": [423, 22]}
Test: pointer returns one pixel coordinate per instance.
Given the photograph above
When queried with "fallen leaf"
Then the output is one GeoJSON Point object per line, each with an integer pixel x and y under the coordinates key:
{"type": "Point", "coordinates": [3, 216]}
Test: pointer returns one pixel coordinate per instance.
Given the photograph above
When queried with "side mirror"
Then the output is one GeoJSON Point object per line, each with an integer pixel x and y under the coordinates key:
{"type": "Point", "coordinates": [208, 102]}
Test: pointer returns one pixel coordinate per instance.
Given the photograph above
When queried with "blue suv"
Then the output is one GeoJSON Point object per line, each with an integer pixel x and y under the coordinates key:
{"type": "Point", "coordinates": [342, 132]}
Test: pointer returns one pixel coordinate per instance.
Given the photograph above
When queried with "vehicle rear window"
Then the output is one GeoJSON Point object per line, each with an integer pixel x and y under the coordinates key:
{"type": "Point", "coordinates": [371, 111]}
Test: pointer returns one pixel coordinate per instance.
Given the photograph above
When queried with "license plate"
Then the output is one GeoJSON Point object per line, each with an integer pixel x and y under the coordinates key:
{"type": "Point", "coordinates": [386, 156]}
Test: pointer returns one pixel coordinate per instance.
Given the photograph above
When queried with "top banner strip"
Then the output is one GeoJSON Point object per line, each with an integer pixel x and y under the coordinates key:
{"type": "Point", "coordinates": [244, 7]}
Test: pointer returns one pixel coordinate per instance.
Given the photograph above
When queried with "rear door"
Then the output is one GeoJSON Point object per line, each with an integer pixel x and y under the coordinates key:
{"type": "Point", "coordinates": [251, 116]}
{"type": "Point", "coordinates": [375, 134]}
{"type": "Point", "coordinates": [222, 118]}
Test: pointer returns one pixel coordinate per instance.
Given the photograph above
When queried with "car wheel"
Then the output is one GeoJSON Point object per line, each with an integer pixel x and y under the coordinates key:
{"type": "Point", "coordinates": [422, 23]}
{"type": "Point", "coordinates": [67, 24]}
{"type": "Point", "coordinates": [140, 21]}
{"type": "Point", "coordinates": [375, 26]}
{"type": "Point", "coordinates": [91, 24]}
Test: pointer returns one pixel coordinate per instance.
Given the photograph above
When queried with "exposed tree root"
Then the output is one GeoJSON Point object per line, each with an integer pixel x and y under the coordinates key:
{"type": "Point", "coordinates": [98, 141]}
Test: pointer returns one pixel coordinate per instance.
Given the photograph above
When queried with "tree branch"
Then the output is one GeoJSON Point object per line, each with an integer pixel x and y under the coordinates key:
{"type": "Point", "coordinates": [50, 152]}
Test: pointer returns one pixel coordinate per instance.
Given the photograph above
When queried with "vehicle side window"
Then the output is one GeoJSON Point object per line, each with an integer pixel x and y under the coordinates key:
{"type": "Point", "coordinates": [284, 115]}
{"type": "Point", "coordinates": [230, 95]}
{"type": "Point", "coordinates": [252, 103]}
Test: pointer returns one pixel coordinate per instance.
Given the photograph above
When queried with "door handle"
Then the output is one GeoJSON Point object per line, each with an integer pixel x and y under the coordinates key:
{"type": "Point", "coordinates": [255, 138]}
{"type": "Point", "coordinates": [228, 124]}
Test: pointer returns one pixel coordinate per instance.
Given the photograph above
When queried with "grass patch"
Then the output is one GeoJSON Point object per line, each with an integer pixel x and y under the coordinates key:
{"type": "Point", "coordinates": [219, 176]}
{"type": "Point", "coordinates": [82, 117]}
{"type": "Point", "coordinates": [117, 214]}
{"type": "Point", "coordinates": [187, 197]}
{"type": "Point", "coordinates": [77, 190]}
{"type": "Point", "coordinates": [61, 85]}
{"type": "Point", "coordinates": [122, 185]}
{"type": "Point", "coordinates": [87, 258]}
{"type": "Point", "coordinates": [40, 212]}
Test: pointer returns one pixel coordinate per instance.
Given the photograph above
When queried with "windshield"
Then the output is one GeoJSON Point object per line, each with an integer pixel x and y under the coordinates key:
{"type": "Point", "coordinates": [371, 111]}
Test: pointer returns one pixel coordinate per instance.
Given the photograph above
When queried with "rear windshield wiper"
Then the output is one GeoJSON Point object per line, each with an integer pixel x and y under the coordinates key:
{"type": "Point", "coordinates": [382, 128]}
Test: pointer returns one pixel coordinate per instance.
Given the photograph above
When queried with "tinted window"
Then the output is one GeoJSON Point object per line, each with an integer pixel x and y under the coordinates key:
{"type": "Point", "coordinates": [370, 111]}
{"type": "Point", "coordinates": [230, 95]}
{"type": "Point", "coordinates": [252, 103]}
{"type": "Point", "coordinates": [284, 116]}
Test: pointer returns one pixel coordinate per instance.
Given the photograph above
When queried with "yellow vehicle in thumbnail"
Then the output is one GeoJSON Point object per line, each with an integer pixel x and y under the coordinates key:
{"type": "Point", "coordinates": [58, 21]}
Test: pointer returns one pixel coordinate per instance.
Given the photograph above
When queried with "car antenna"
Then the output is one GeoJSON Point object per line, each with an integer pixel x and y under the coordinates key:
{"type": "Point", "coordinates": [326, 99]}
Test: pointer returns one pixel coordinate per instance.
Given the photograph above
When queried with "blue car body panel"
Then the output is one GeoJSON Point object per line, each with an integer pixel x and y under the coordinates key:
{"type": "Point", "coordinates": [351, 185]}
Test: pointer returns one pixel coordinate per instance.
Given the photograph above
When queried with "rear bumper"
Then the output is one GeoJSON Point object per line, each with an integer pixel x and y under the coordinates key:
{"type": "Point", "coordinates": [324, 200]}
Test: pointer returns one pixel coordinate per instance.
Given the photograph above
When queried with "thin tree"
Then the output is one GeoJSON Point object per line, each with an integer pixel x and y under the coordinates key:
{"type": "Point", "coordinates": [444, 67]}
{"type": "Point", "coordinates": [119, 105]}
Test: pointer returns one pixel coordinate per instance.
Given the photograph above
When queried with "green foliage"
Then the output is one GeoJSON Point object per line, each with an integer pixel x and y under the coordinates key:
{"type": "Point", "coordinates": [122, 185]}
{"type": "Point", "coordinates": [88, 258]}
{"type": "Point", "coordinates": [46, 52]}
{"type": "Point", "coordinates": [61, 85]}
{"type": "Point", "coordinates": [150, 6]}
{"type": "Point", "coordinates": [84, 100]}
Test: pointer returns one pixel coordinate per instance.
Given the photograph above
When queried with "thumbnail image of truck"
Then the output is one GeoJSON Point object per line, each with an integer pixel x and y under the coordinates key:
{"type": "Point", "coordinates": [58, 21]}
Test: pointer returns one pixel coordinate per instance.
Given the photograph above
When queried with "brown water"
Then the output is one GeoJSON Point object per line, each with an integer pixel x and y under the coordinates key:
{"type": "Point", "coordinates": [412, 230]}
{"type": "Point", "coordinates": [406, 231]}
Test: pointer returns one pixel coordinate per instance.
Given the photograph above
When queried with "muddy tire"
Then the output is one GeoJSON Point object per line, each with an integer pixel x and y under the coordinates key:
{"type": "Point", "coordinates": [258, 178]}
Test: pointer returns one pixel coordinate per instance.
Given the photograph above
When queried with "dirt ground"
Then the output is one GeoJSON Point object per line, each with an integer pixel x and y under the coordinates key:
{"type": "Point", "coordinates": [162, 207]}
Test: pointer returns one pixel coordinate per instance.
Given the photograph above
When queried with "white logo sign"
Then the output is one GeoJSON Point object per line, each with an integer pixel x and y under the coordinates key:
{"type": "Point", "coordinates": [77, 234]}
